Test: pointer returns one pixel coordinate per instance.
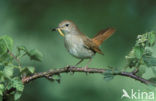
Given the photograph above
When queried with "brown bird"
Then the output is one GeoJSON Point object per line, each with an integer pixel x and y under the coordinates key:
{"type": "Point", "coordinates": [78, 44]}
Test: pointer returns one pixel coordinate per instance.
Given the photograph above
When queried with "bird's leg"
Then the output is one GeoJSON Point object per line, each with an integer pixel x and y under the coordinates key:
{"type": "Point", "coordinates": [88, 64]}
{"type": "Point", "coordinates": [79, 62]}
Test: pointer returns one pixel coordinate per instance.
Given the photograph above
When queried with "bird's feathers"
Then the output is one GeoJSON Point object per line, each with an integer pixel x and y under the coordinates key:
{"type": "Point", "coordinates": [88, 43]}
{"type": "Point", "coordinates": [102, 35]}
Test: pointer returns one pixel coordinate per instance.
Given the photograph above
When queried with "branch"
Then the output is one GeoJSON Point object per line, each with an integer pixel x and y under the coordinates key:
{"type": "Point", "coordinates": [76, 69]}
{"type": "Point", "coordinates": [73, 69]}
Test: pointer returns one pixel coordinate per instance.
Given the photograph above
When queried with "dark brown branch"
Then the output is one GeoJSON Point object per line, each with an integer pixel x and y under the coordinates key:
{"type": "Point", "coordinates": [76, 69]}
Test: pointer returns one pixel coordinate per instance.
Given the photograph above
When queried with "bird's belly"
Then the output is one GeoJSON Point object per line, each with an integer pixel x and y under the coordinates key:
{"type": "Point", "coordinates": [77, 49]}
{"type": "Point", "coordinates": [81, 52]}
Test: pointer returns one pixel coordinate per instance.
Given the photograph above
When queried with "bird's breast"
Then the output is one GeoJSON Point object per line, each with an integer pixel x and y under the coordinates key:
{"type": "Point", "coordinates": [75, 46]}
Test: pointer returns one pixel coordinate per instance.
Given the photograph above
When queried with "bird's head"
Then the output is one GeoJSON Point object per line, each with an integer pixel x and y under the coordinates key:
{"type": "Point", "coordinates": [68, 27]}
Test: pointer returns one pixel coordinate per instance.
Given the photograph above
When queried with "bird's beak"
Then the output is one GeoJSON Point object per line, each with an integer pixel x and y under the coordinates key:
{"type": "Point", "coordinates": [59, 30]}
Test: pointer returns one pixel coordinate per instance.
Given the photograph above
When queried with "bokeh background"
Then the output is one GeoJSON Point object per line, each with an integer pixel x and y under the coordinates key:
{"type": "Point", "coordinates": [29, 22]}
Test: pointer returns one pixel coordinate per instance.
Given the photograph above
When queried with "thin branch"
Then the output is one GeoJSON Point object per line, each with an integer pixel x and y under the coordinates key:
{"type": "Point", "coordinates": [76, 69]}
{"type": "Point", "coordinates": [73, 69]}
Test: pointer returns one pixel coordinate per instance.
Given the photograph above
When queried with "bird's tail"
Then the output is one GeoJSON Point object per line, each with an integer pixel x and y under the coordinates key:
{"type": "Point", "coordinates": [103, 35]}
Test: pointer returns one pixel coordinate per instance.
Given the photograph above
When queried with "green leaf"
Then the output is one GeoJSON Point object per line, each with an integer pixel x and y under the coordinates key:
{"type": "Point", "coordinates": [17, 95]}
{"type": "Point", "coordinates": [28, 70]}
{"type": "Point", "coordinates": [108, 75]}
{"type": "Point", "coordinates": [142, 70]}
{"type": "Point", "coordinates": [31, 69]}
{"type": "Point", "coordinates": [153, 79]}
{"type": "Point", "coordinates": [154, 70]}
{"type": "Point", "coordinates": [148, 51]}
{"type": "Point", "coordinates": [152, 38]}
{"type": "Point", "coordinates": [149, 61]}
{"type": "Point", "coordinates": [3, 47]}
{"type": "Point", "coordinates": [8, 41]}
{"type": "Point", "coordinates": [16, 83]}
{"type": "Point", "coordinates": [138, 51]}
{"type": "Point", "coordinates": [1, 89]}
{"type": "Point", "coordinates": [1, 76]}
{"type": "Point", "coordinates": [35, 54]}
{"type": "Point", "coordinates": [8, 71]}
{"type": "Point", "coordinates": [22, 48]}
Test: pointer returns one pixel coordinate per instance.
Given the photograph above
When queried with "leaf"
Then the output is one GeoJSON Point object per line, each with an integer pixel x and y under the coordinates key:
{"type": "Point", "coordinates": [16, 83]}
{"type": "Point", "coordinates": [35, 54]}
{"type": "Point", "coordinates": [152, 38]}
{"type": "Point", "coordinates": [153, 79]}
{"type": "Point", "coordinates": [31, 69]}
{"type": "Point", "coordinates": [8, 41]}
{"type": "Point", "coordinates": [138, 51]}
{"type": "Point", "coordinates": [17, 95]}
{"type": "Point", "coordinates": [8, 71]}
{"type": "Point", "coordinates": [1, 76]}
{"type": "Point", "coordinates": [149, 61]}
{"type": "Point", "coordinates": [142, 70]}
{"type": "Point", "coordinates": [28, 70]}
{"type": "Point", "coordinates": [154, 70]}
{"type": "Point", "coordinates": [148, 51]}
{"type": "Point", "coordinates": [3, 47]}
{"type": "Point", "coordinates": [22, 48]}
{"type": "Point", "coordinates": [1, 89]}
{"type": "Point", "coordinates": [108, 75]}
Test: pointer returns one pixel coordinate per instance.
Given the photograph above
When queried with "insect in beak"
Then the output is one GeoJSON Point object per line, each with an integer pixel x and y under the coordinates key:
{"type": "Point", "coordinates": [59, 30]}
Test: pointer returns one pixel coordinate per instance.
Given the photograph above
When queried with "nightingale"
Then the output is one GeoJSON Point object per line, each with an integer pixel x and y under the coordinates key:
{"type": "Point", "coordinates": [78, 44]}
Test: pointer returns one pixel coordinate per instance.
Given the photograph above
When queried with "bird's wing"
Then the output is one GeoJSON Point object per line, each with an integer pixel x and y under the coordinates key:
{"type": "Point", "coordinates": [102, 35]}
{"type": "Point", "coordinates": [88, 43]}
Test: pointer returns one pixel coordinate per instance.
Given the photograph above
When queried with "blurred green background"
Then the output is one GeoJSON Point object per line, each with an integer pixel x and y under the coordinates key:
{"type": "Point", "coordinates": [29, 22]}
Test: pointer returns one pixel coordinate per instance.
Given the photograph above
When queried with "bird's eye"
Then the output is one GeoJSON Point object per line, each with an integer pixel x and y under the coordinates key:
{"type": "Point", "coordinates": [67, 25]}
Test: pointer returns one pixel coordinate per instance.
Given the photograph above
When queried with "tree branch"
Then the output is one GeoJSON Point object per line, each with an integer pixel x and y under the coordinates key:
{"type": "Point", "coordinates": [88, 70]}
{"type": "Point", "coordinates": [73, 69]}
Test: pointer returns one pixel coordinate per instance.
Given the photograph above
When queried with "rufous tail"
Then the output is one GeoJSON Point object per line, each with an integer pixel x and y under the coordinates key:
{"type": "Point", "coordinates": [103, 35]}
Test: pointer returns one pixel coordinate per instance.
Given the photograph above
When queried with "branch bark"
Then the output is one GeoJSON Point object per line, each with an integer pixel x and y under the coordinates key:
{"type": "Point", "coordinates": [77, 69]}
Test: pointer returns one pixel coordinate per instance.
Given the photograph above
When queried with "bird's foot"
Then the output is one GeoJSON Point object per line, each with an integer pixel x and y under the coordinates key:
{"type": "Point", "coordinates": [85, 68]}
{"type": "Point", "coordinates": [68, 69]}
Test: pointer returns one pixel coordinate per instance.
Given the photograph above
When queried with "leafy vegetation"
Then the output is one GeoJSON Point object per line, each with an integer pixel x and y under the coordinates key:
{"type": "Point", "coordinates": [11, 70]}
{"type": "Point", "coordinates": [141, 57]}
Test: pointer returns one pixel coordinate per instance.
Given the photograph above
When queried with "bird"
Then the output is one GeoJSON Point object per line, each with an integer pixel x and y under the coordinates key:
{"type": "Point", "coordinates": [78, 44]}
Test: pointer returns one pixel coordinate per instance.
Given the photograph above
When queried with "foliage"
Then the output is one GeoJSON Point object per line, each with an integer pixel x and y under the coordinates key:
{"type": "Point", "coordinates": [141, 54]}
{"type": "Point", "coordinates": [140, 57]}
{"type": "Point", "coordinates": [11, 70]}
